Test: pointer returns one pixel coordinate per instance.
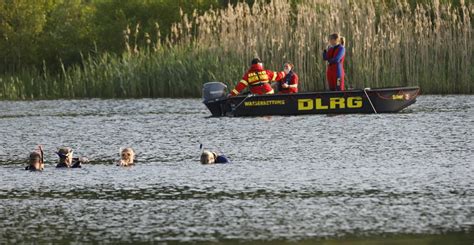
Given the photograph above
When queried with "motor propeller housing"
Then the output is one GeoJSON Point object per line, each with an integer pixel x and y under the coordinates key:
{"type": "Point", "coordinates": [214, 91]}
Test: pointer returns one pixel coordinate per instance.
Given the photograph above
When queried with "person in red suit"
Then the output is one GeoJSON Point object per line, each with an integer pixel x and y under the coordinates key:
{"type": "Point", "coordinates": [258, 79]}
{"type": "Point", "coordinates": [289, 83]}
{"type": "Point", "coordinates": [335, 55]}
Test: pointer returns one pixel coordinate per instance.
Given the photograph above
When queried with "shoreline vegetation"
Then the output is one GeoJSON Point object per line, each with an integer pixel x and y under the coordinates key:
{"type": "Point", "coordinates": [389, 43]}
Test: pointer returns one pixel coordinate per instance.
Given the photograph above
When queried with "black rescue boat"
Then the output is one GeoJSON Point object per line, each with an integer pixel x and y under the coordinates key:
{"type": "Point", "coordinates": [380, 100]}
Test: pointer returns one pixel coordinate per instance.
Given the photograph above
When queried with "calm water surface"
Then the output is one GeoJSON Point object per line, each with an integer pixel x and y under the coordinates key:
{"type": "Point", "coordinates": [305, 178]}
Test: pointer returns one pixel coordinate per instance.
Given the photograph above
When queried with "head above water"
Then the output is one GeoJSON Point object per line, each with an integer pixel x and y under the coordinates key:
{"type": "Point", "coordinates": [336, 39]}
{"type": "Point", "coordinates": [127, 156]}
{"type": "Point", "coordinates": [208, 157]}
{"type": "Point", "coordinates": [65, 155]}
{"type": "Point", "coordinates": [35, 161]}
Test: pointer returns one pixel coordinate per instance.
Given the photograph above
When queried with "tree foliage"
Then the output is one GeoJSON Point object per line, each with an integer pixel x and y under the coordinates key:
{"type": "Point", "coordinates": [54, 32]}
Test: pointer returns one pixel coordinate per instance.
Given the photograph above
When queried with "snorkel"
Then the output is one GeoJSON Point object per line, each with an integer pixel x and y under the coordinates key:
{"type": "Point", "coordinates": [40, 147]}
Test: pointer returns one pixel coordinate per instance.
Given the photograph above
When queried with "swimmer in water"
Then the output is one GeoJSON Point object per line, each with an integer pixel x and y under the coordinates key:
{"type": "Point", "coordinates": [209, 157]}
{"type": "Point", "coordinates": [35, 161]}
{"type": "Point", "coordinates": [127, 157]}
{"type": "Point", "coordinates": [66, 159]}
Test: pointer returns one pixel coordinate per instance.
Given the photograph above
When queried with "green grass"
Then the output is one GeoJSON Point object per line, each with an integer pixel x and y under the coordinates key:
{"type": "Point", "coordinates": [173, 72]}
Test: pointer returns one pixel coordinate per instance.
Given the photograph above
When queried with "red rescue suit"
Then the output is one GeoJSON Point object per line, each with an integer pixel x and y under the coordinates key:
{"type": "Point", "coordinates": [335, 71]}
{"type": "Point", "coordinates": [258, 79]}
{"type": "Point", "coordinates": [290, 79]}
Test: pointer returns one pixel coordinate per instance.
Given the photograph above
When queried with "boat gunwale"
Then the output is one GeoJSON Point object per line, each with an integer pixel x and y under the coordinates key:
{"type": "Point", "coordinates": [388, 89]}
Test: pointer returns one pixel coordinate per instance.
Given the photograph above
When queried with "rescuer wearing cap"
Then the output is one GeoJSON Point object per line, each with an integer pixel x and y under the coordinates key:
{"type": "Point", "coordinates": [257, 79]}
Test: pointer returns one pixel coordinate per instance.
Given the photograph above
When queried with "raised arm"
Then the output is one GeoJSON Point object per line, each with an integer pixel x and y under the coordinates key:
{"type": "Point", "coordinates": [275, 76]}
{"type": "Point", "coordinates": [340, 53]}
{"type": "Point", "coordinates": [325, 54]}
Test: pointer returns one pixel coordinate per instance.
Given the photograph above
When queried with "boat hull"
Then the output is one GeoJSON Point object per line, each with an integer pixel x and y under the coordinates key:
{"type": "Point", "coordinates": [383, 100]}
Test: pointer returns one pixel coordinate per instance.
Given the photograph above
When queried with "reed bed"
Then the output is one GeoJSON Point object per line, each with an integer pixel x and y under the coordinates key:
{"type": "Point", "coordinates": [388, 44]}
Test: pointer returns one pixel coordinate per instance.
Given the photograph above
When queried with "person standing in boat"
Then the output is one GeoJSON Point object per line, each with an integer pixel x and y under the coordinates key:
{"type": "Point", "coordinates": [258, 79]}
{"type": "Point", "coordinates": [335, 55]}
{"type": "Point", "coordinates": [289, 83]}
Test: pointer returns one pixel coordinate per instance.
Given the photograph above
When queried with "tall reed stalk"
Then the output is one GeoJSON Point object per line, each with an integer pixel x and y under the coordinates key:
{"type": "Point", "coordinates": [387, 45]}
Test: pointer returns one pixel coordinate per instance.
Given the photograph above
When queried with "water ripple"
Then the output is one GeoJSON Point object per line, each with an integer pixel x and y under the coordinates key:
{"type": "Point", "coordinates": [299, 179]}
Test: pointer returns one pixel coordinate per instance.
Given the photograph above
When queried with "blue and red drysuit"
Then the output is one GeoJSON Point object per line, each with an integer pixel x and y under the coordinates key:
{"type": "Point", "coordinates": [335, 71]}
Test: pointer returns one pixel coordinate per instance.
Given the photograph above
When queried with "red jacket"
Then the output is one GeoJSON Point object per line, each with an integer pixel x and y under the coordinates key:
{"type": "Point", "coordinates": [258, 79]}
{"type": "Point", "coordinates": [292, 80]}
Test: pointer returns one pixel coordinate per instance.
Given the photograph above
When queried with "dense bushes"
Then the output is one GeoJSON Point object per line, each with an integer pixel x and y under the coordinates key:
{"type": "Point", "coordinates": [60, 30]}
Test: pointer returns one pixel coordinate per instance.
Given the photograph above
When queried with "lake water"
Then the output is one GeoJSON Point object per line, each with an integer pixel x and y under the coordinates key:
{"type": "Point", "coordinates": [306, 178]}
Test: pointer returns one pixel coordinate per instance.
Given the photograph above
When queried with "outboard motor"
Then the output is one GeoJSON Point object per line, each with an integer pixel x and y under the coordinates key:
{"type": "Point", "coordinates": [214, 91]}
